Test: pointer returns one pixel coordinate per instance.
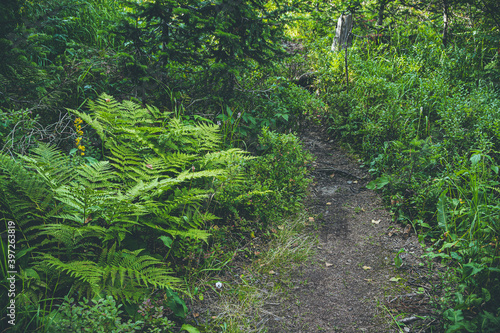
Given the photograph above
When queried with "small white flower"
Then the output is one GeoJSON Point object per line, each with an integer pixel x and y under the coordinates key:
{"type": "Point", "coordinates": [218, 285]}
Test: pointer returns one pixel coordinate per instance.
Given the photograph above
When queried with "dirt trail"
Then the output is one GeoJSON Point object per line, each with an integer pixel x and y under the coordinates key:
{"type": "Point", "coordinates": [347, 284]}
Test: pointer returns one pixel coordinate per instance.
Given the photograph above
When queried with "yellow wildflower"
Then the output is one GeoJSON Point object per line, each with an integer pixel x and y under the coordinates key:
{"type": "Point", "coordinates": [78, 140]}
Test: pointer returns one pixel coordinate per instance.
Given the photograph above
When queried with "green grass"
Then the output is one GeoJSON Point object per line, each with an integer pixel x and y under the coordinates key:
{"type": "Point", "coordinates": [241, 307]}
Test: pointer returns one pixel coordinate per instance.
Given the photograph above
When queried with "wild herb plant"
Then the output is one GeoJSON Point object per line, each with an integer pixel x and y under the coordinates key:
{"type": "Point", "coordinates": [92, 316]}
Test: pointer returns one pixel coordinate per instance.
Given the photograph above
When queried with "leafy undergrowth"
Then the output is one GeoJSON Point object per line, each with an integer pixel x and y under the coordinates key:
{"type": "Point", "coordinates": [428, 132]}
{"type": "Point", "coordinates": [165, 203]}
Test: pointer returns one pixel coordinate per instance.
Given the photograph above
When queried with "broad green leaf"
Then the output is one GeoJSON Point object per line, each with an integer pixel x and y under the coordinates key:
{"type": "Point", "coordinates": [486, 294]}
{"type": "Point", "coordinates": [397, 259]}
{"type": "Point", "coordinates": [471, 269]}
{"type": "Point", "coordinates": [378, 183]}
{"type": "Point", "coordinates": [189, 328]}
{"type": "Point", "coordinates": [167, 241]}
{"type": "Point", "coordinates": [475, 159]}
{"type": "Point", "coordinates": [441, 211]}
{"type": "Point", "coordinates": [454, 316]}
{"type": "Point", "coordinates": [176, 304]}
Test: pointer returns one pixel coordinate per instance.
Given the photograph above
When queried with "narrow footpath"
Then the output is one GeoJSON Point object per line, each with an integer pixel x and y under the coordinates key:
{"type": "Point", "coordinates": [352, 283]}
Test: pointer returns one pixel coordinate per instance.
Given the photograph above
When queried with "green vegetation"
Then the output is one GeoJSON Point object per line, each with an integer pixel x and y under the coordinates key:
{"type": "Point", "coordinates": [122, 203]}
{"type": "Point", "coordinates": [145, 142]}
{"type": "Point", "coordinates": [422, 109]}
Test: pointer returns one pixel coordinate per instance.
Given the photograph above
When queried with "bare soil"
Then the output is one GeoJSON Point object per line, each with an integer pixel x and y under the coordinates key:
{"type": "Point", "coordinates": [352, 283]}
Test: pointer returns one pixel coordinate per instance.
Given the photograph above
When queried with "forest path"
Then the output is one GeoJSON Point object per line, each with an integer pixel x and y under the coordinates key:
{"type": "Point", "coordinates": [347, 284]}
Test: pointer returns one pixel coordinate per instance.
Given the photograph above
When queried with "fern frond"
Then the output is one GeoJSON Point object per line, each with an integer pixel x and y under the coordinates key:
{"type": "Point", "coordinates": [180, 198]}
{"type": "Point", "coordinates": [135, 272]}
{"type": "Point", "coordinates": [203, 219]}
{"type": "Point", "coordinates": [157, 114]}
{"type": "Point", "coordinates": [188, 174]}
{"type": "Point", "coordinates": [94, 123]}
{"type": "Point", "coordinates": [80, 201]}
{"type": "Point", "coordinates": [69, 237]}
{"type": "Point", "coordinates": [96, 175]}
{"type": "Point", "coordinates": [247, 195]}
{"type": "Point", "coordinates": [197, 234]}
{"type": "Point", "coordinates": [142, 137]}
{"type": "Point", "coordinates": [225, 158]}
{"type": "Point", "coordinates": [50, 163]}
{"type": "Point", "coordinates": [178, 160]}
{"type": "Point", "coordinates": [126, 162]}
{"type": "Point", "coordinates": [208, 135]}
{"type": "Point", "coordinates": [25, 196]}
{"type": "Point", "coordinates": [156, 167]}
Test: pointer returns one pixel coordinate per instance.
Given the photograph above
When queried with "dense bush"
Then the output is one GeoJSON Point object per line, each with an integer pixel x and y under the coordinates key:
{"type": "Point", "coordinates": [133, 195]}
{"type": "Point", "coordinates": [275, 186]}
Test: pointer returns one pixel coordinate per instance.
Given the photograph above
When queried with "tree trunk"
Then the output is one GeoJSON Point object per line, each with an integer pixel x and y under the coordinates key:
{"type": "Point", "coordinates": [381, 10]}
{"type": "Point", "coordinates": [445, 22]}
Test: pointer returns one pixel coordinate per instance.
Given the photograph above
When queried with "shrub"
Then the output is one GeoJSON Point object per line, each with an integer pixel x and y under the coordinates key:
{"type": "Point", "coordinates": [97, 316]}
{"type": "Point", "coordinates": [276, 181]}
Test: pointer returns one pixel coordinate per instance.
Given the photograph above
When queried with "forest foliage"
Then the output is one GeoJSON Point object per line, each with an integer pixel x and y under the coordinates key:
{"type": "Point", "coordinates": [144, 141]}
{"type": "Point", "coordinates": [422, 110]}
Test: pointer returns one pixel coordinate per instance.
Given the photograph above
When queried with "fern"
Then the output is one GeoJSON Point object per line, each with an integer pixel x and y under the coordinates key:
{"type": "Point", "coordinates": [71, 240]}
{"type": "Point", "coordinates": [128, 164]}
{"type": "Point", "coordinates": [25, 198]}
{"type": "Point", "coordinates": [154, 159]}
{"type": "Point", "coordinates": [190, 233]}
{"type": "Point", "coordinates": [157, 177]}
{"type": "Point", "coordinates": [49, 163]}
{"type": "Point", "coordinates": [123, 274]}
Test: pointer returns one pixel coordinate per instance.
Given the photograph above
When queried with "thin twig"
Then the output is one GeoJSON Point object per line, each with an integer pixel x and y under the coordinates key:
{"type": "Point", "coordinates": [429, 324]}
